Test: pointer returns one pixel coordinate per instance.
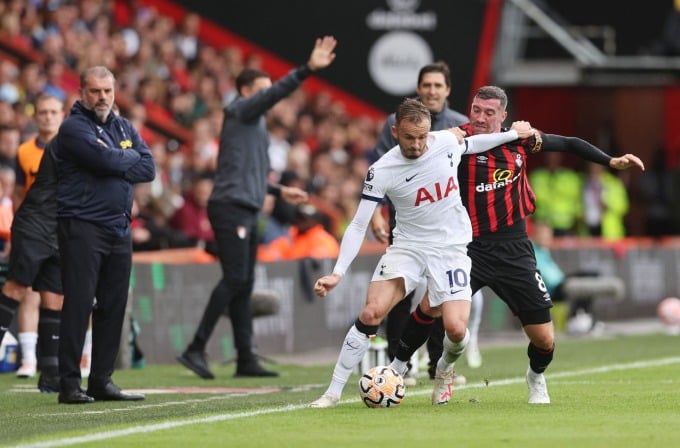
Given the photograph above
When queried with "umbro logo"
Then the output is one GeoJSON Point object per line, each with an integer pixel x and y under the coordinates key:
{"type": "Point", "coordinates": [482, 159]}
{"type": "Point", "coordinates": [408, 179]}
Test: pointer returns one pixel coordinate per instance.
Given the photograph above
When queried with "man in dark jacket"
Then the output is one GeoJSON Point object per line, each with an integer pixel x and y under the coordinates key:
{"type": "Point", "coordinates": [237, 197]}
{"type": "Point", "coordinates": [99, 157]}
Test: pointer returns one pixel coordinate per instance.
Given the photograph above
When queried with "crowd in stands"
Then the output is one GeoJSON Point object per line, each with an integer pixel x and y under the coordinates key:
{"type": "Point", "coordinates": [166, 72]}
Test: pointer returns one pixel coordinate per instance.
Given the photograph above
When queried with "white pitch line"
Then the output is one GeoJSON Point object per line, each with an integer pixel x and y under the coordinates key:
{"type": "Point", "coordinates": [106, 435]}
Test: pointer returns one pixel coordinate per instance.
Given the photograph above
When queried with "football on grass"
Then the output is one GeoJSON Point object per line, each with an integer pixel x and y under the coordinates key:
{"type": "Point", "coordinates": [381, 387]}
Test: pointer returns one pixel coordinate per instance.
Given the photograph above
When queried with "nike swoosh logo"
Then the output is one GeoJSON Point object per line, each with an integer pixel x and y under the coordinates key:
{"type": "Point", "coordinates": [4, 328]}
{"type": "Point", "coordinates": [456, 292]}
{"type": "Point", "coordinates": [408, 179]}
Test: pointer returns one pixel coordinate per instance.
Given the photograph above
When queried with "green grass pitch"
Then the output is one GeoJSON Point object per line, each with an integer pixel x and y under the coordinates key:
{"type": "Point", "coordinates": [609, 392]}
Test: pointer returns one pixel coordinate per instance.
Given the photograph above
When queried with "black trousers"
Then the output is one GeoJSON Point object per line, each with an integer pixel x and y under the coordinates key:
{"type": "Point", "coordinates": [236, 234]}
{"type": "Point", "coordinates": [94, 263]}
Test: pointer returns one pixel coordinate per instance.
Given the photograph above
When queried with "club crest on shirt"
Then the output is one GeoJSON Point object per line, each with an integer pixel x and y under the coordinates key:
{"type": "Point", "coordinates": [518, 160]}
{"type": "Point", "coordinates": [370, 175]}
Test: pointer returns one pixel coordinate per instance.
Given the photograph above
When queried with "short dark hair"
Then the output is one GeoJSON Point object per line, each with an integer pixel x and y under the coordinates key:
{"type": "Point", "coordinates": [436, 67]}
{"type": "Point", "coordinates": [248, 76]}
{"type": "Point", "coordinates": [493, 93]}
{"type": "Point", "coordinates": [412, 110]}
{"type": "Point", "coordinates": [98, 71]}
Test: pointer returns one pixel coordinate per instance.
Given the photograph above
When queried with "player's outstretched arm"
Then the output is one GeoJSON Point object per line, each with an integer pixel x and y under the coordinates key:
{"type": "Point", "coordinates": [323, 53]}
{"type": "Point", "coordinates": [626, 161]}
{"type": "Point", "coordinates": [325, 284]}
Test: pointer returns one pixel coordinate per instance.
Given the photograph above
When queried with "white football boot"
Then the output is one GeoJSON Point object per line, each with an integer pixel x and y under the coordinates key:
{"type": "Point", "coordinates": [325, 401]}
{"type": "Point", "coordinates": [443, 387]}
{"type": "Point", "coordinates": [538, 389]}
{"type": "Point", "coordinates": [27, 370]}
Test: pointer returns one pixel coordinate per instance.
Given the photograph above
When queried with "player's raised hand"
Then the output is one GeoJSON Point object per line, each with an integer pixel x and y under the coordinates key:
{"type": "Point", "coordinates": [325, 284]}
{"type": "Point", "coordinates": [626, 161]}
{"type": "Point", "coordinates": [323, 53]}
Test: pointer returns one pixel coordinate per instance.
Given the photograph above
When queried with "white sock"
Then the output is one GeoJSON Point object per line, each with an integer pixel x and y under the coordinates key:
{"type": "Point", "coordinates": [354, 348]}
{"type": "Point", "coordinates": [28, 341]}
{"type": "Point", "coordinates": [452, 351]}
{"type": "Point", "coordinates": [475, 316]}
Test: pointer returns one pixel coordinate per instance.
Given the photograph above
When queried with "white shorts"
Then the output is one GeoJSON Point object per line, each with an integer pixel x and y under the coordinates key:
{"type": "Point", "coordinates": [446, 270]}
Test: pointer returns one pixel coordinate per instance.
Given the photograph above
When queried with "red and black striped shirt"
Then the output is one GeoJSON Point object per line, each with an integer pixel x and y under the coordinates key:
{"type": "Point", "coordinates": [494, 187]}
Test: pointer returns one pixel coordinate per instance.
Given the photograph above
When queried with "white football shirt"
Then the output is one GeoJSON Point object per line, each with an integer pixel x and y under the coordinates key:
{"type": "Point", "coordinates": [424, 192]}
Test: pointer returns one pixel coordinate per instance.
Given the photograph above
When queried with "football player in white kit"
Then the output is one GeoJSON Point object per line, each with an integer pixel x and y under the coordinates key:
{"type": "Point", "coordinates": [430, 239]}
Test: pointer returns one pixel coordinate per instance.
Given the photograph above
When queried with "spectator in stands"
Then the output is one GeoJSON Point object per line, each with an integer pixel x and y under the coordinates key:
{"type": "Point", "coordinates": [31, 24]}
{"type": "Point", "coordinates": [186, 38]}
{"type": "Point", "coordinates": [279, 145]}
{"type": "Point", "coordinates": [151, 94]}
{"type": "Point", "coordinates": [558, 192]}
{"type": "Point", "coordinates": [165, 189]}
{"type": "Point", "coordinates": [605, 203]}
{"type": "Point", "coordinates": [306, 238]}
{"type": "Point", "coordinates": [11, 31]}
{"type": "Point", "coordinates": [202, 155]}
{"type": "Point", "coordinates": [137, 116]}
{"type": "Point", "coordinates": [8, 116]}
{"type": "Point", "coordinates": [54, 72]}
{"type": "Point", "coordinates": [299, 158]}
{"type": "Point", "coordinates": [149, 228]}
{"type": "Point", "coordinates": [31, 83]}
{"type": "Point", "coordinates": [279, 214]}
{"type": "Point", "coordinates": [9, 90]}
{"type": "Point", "coordinates": [191, 219]}
{"type": "Point", "coordinates": [9, 142]}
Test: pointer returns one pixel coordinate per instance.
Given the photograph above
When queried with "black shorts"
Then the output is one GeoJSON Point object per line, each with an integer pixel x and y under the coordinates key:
{"type": "Point", "coordinates": [35, 262]}
{"type": "Point", "coordinates": [509, 269]}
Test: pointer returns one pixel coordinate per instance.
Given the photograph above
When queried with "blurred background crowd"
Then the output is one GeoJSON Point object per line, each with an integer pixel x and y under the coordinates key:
{"type": "Point", "coordinates": [166, 72]}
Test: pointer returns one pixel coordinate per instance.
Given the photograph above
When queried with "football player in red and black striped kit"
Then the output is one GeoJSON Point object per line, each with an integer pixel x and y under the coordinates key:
{"type": "Point", "coordinates": [497, 194]}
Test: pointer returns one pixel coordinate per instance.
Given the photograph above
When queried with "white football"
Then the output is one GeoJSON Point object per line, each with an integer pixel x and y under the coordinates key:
{"type": "Point", "coordinates": [382, 387]}
{"type": "Point", "coordinates": [668, 311]}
